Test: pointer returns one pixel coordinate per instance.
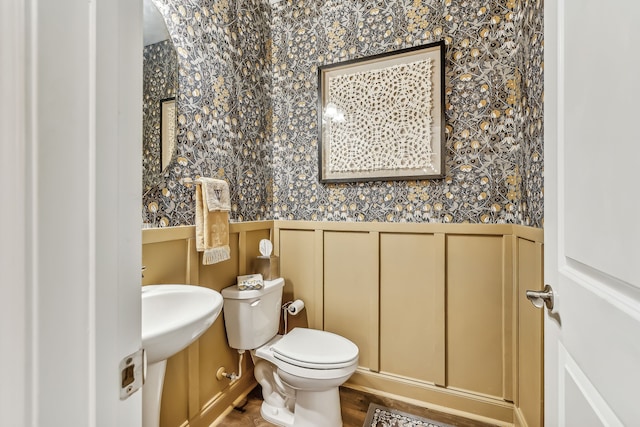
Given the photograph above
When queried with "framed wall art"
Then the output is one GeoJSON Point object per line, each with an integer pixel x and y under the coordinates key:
{"type": "Point", "coordinates": [167, 130]}
{"type": "Point", "coordinates": [381, 118]}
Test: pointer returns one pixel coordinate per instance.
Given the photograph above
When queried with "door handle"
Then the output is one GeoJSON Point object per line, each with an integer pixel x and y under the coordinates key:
{"type": "Point", "coordinates": [540, 298]}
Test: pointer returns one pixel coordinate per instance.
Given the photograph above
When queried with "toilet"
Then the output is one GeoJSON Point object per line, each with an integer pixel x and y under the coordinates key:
{"type": "Point", "coordinates": [299, 372]}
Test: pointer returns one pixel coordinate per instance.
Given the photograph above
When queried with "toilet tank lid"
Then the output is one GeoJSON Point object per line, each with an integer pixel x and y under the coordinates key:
{"type": "Point", "coordinates": [232, 292]}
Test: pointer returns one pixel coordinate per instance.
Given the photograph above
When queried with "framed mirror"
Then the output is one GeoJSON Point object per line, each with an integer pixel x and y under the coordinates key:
{"type": "Point", "coordinates": [160, 87]}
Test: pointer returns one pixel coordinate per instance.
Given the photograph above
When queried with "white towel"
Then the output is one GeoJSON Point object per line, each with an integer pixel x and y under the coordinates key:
{"type": "Point", "coordinates": [212, 220]}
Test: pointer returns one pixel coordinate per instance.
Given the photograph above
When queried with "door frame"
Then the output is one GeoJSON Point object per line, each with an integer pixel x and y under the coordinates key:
{"type": "Point", "coordinates": [70, 157]}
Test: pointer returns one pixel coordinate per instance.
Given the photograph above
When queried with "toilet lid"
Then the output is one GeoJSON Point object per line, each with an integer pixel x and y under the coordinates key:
{"type": "Point", "coordinates": [315, 349]}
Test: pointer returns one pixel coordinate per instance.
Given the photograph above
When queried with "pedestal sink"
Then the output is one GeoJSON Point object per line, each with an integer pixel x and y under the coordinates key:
{"type": "Point", "coordinates": [173, 316]}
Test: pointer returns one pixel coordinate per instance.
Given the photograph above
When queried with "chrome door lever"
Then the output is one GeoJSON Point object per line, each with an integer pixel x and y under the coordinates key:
{"type": "Point", "coordinates": [540, 298]}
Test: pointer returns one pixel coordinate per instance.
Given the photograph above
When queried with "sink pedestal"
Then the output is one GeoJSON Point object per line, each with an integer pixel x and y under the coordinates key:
{"type": "Point", "coordinates": [152, 394]}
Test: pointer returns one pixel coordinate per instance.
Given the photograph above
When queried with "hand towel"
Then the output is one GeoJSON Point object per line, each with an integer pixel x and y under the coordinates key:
{"type": "Point", "coordinates": [212, 220]}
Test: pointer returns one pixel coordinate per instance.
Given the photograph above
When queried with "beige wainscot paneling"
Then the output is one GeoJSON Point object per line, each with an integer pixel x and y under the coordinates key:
{"type": "Point", "coordinates": [298, 252]}
{"type": "Point", "coordinates": [159, 267]}
{"type": "Point", "coordinates": [475, 333]}
{"type": "Point", "coordinates": [192, 395]}
{"type": "Point", "coordinates": [412, 306]}
{"type": "Point", "coordinates": [351, 290]}
{"type": "Point", "coordinates": [437, 311]}
{"type": "Point", "coordinates": [433, 308]}
{"type": "Point", "coordinates": [529, 397]}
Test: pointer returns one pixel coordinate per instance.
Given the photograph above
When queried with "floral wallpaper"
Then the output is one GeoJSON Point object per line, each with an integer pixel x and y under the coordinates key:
{"type": "Point", "coordinates": [248, 111]}
{"type": "Point", "coordinates": [493, 108]}
{"type": "Point", "coordinates": [531, 157]}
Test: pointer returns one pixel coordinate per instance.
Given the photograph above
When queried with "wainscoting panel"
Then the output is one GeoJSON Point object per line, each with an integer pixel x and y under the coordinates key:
{"type": "Point", "coordinates": [173, 269]}
{"type": "Point", "coordinates": [297, 259]}
{"type": "Point", "coordinates": [412, 306]}
{"type": "Point", "coordinates": [351, 291]}
{"type": "Point", "coordinates": [475, 337]}
{"type": "Point", "coordinates": [437, 310]}
{"type": "Point", "coordinates": [529, 397]}
{"type": "Point", "coordinates": [433, 308]}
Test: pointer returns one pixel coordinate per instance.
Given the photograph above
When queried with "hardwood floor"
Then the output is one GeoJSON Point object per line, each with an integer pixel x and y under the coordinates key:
{"type": "Point", "coordinates": [354, 410]}
{"type": "Point", "coordinates": [248, 414]}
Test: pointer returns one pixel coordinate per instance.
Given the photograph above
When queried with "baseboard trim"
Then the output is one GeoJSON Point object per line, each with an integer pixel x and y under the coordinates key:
{"type": "Point", "coordinates": [467, 405]}
{"type": "Point", "coordinates": [519, 420]}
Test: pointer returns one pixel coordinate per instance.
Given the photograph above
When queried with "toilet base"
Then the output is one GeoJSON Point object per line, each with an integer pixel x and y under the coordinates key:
{"type": "Point", "coordinates": [276, 415]}
{"type": "Point", "coordinates": [312, 409]}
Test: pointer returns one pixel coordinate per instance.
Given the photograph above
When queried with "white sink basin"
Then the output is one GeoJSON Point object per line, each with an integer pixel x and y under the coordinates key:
{"type": "Point", "coordinates": [174, 316]}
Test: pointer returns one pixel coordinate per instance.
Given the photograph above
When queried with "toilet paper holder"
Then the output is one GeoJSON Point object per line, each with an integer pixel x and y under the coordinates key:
{"type": "Point", "coordinates": [291, 308]}
{"type": "Point", "coordinates": [294, 307]}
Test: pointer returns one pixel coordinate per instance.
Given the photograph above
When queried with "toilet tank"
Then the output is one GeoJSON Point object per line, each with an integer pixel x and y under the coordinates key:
{"type": "Point", "coordinates": [252, 317]}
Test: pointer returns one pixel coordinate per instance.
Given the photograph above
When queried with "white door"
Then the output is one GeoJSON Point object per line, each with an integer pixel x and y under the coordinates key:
{"type": "Point", "coordinates": [70, 244]}
{"type": "Point", "coordinates": [592, 204]}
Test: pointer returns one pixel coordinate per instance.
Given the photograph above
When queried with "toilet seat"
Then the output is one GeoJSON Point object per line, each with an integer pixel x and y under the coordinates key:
{"type": "Point", "coordinates": [315, 349]}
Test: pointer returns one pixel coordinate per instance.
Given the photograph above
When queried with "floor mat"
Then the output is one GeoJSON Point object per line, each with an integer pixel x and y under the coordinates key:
{"type": "Point", "coordinates": [381, 416]}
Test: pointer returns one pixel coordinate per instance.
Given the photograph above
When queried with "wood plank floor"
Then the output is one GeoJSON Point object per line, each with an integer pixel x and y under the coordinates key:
{"type": "Point", "coordinates": [354, 410]}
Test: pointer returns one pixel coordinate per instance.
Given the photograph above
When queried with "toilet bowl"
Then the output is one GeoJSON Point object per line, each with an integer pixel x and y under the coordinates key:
{"type": "Point", "coordinates": [299, 372]}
